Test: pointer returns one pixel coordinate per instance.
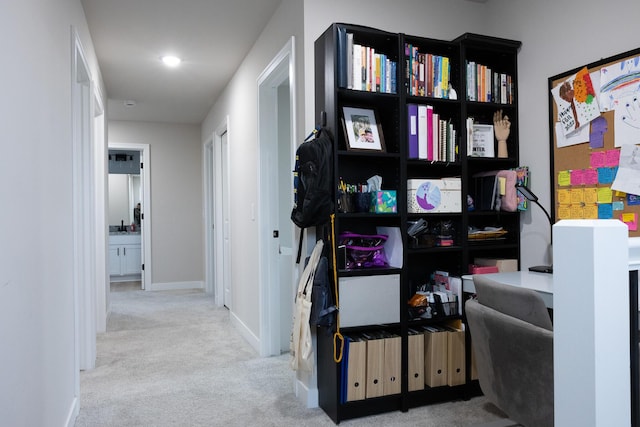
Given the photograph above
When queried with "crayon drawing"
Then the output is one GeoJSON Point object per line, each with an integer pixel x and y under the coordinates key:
{"type": "Point", "coordinates": [620, 92]}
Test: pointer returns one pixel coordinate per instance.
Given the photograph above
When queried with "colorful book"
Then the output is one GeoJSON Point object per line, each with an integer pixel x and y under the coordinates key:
{"type": "Point", "coordinates": [423, 132]}
{"type": "Point", "coordinates": [412, 114]}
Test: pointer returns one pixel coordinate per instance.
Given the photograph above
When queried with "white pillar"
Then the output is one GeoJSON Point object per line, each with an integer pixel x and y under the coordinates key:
{"type": "Point", "coordinates": [591, 323]}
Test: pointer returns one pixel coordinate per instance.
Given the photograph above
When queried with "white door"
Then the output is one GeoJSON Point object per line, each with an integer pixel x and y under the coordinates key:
{"type": "Point", "coordinates": [276, 130]}
{"type": "Point", "coordinates": [226, 250]}
{"type": "Point", "coordinates": [283, 214]}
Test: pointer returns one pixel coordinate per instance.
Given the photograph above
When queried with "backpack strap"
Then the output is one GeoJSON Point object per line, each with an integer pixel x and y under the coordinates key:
{"type": "Point", "coordinates": [300, 245]}
{"type": "Point", "coordinates": [338, 339]}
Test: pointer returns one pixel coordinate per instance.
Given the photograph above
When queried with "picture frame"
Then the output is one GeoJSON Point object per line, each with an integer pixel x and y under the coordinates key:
{"type": "Point", "coordinates": [362, 129]}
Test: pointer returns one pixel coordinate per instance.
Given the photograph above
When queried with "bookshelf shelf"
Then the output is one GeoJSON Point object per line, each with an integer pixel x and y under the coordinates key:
{"type": "Point", "coordinates": [396, 165]}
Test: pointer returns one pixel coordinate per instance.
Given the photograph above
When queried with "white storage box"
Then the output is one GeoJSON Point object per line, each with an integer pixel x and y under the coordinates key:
{"type": "Point", "coordinates": [369, 300]}
{"type": "Point", "coordinates": [434, 195]}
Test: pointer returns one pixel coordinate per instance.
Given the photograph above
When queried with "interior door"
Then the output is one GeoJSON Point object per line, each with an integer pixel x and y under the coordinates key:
{"type": "Point", "coordinates": [284, 197]}
{"type": "Point", "coordinates": [226, 252]}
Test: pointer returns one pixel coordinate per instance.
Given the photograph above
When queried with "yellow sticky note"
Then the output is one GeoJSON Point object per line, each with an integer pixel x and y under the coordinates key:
{"type": "Point", "coordinates": [564, 212]}
{"type": "Point", "coordinates": [590, 195]}
{"type": "Point", "coordinates": [620, 194]}
{"type": "Point", "coordinates": [564, 197]}
{"type": "Point", "coordinates": [591, 211]}
{"type": "Point", "coordinates": [564, 178]}
{"type": "Point", "coordinates": [577, 212]}
{"type": "Point", "coordinates": [577, 196]}
{"type": "Point", "coordinates": [502, 182]}
{"type": "Point", "coordinates": [605, 195]}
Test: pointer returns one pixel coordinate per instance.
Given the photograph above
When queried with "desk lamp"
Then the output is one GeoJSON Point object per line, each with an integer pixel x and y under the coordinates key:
{"type": "Point", "coordinates": [528, 194]}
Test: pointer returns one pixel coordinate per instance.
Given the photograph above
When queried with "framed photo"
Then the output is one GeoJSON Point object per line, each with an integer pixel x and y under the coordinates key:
{"type": "Point", "coordinates": [362, 130]}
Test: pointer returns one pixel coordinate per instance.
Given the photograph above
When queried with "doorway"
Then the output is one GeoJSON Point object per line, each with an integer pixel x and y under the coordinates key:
{"type": "Point", "coordinates": [217, 221]}
{"type": "Point", "coordinates": [84, 217]}
{"type": "Point", "coordinates": [135, 189]}
{"type": "Point", "coordinates": [276, 131]}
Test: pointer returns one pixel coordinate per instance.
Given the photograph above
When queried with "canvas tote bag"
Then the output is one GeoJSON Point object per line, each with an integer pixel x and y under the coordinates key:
{"type": "Point", "coordinates": [301, 345]}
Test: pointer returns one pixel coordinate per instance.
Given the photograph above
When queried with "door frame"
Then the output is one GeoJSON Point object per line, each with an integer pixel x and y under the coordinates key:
{"type": "Point", "coordinates": [83, 192]}
{"type": "Point", "coordinates": [281, 68]}
{"type": "Point", "coordinates": [145, 229]}
{"type": "Point", "coordinates": [100, 206]}
{"type": "Point", "coordinates": [208, 161]}
{"type": "Point", "coordinates": [217, 261]}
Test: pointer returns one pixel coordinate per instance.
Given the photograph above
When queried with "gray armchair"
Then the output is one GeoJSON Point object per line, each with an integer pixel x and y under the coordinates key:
{"type": "Point", "coordinates": [512, 340]}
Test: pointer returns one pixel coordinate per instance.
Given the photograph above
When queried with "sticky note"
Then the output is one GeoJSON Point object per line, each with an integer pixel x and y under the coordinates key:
{"type": "Point", "coordinates": [564, 212]}
{"type": "Point", "coordinates": [577, 177]}
{"type": "Point", "coordinates": [598, 159]}
{"type": "Point", "coordinates": [605, 211]}
{"type": "Point", "coordinates": [564, 178]}
{"type": "Point", "coordinates": [577, 212]}
{"type": "Point", "coordinates": [605, 175]}
{"type": "Point", "coordinates": [591, 211]}
{"type": "Point", "coordinates": [618, 206]}
{"type": "Point", "coordinates": [631, 219]}
{"type": "Point", "coordinates": [605, 195]}
{"type": "Point", "coordinates": [590, 176]}
{"type": "Point", "coordinates": [564, 197]}
{"type": "Point", "coordinates": [577, 196]}
{"type": "Point", "coordinates": [612, 158]}
{"type": "Point", "coordinates": [502, 182]}
{"type": "Point", "coordinates": [591, 195]}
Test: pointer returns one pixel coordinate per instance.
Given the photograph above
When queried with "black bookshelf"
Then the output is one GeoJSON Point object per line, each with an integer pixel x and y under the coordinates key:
{"type": "Point", "coordinates": [333, 91]}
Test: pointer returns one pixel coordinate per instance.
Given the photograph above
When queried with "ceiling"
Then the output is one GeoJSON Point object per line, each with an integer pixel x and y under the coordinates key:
{"type": "Point", "coordinates": [211, 36]}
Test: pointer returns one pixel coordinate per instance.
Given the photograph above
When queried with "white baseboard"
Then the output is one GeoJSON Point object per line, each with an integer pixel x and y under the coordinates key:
{"type": "Point", "coordinates": [305, 395]}
{"type": "Point", "coordinates": [171, 286]}
{"type": "Point", "coordinates": [245, 332]}
{"type": "Point", "coordinates": [126, 278]}
{"type": "Point", "coordinates": [74, 410]}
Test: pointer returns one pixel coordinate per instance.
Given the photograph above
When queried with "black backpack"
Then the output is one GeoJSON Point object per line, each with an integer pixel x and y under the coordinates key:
{"type": "Point", "coordinates": [312, 182]}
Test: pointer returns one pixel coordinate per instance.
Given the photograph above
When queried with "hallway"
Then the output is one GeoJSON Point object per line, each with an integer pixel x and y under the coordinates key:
{"type": "Point", "coordinates": [172, 358]}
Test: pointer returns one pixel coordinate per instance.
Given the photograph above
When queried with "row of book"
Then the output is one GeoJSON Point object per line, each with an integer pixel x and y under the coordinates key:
{"type": "Point", "coordinates": [371, 363]}
{"type": "Point", "coordinates": [431, 137]}
{"type": "Point", "coordinates": [485, 85]}
{"type": "Point", "coordinates": [427, 74]}
{"type": "Point", "coordinates": [363, 68]}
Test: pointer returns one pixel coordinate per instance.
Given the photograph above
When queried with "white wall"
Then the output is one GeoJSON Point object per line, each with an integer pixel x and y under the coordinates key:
{"type": "Point", "coordinates": [556, 36]}
{"type": "Point", "coordinates": [39, 382]}
{"type": "Point", "coordinates": [177, 230]}
{"type": "Point", "coordinates": [239, 102]}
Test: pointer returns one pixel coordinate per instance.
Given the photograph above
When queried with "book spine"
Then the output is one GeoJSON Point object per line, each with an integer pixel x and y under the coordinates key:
{"type": "Point", "coordinates": [423, 132]}
{"type": "Point", "coordinates": [430, 132]}
{"type": "Point", "coordinates": [413, 130]}
{"type": "Point", "coordinates": [357, 67]}
{"type": "Point", "coordinates": [349, 55]}
{"type": "Point", "coordinates": [342, 57]}
{"type": "Point", "coordinates": [435, 136]}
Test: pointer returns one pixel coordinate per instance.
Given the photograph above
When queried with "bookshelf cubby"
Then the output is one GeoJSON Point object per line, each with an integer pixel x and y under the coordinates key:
{"type": "Point", "coordinates": [336, 86]}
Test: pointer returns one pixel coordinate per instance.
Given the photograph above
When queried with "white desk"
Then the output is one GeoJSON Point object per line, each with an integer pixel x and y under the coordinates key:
{"type": "Point", "coordinates": [541, 282]}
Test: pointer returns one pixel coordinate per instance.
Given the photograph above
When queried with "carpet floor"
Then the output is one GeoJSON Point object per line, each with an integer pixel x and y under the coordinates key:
{"type": "Point", "coordinates": [172, 358]}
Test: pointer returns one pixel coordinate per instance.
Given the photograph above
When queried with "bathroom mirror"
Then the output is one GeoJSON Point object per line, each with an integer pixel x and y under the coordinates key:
{"type": "Point", "coordinates": [125, 191]}
{"type": "Point", "coordinates": [124, 195]}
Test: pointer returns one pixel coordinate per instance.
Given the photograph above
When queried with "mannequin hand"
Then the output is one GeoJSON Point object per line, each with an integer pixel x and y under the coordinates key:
{"type": "Point", "coordinates": [501, 126]}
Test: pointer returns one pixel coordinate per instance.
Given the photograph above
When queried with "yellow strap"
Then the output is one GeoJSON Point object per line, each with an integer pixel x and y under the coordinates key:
{"type": "Point", "coordinates": [338, 339]}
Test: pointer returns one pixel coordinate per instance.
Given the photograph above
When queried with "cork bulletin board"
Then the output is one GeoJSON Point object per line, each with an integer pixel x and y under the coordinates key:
{"type": "Point", "coordinates": [594, 129]}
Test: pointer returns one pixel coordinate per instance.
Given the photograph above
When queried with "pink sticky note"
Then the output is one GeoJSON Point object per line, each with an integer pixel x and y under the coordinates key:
{"type": "Point", "coordinates": [612, 158]}
{"type": "Point", "coordinates": [598, 159]}
{"type": "Point", "coordinates": [590, 176]}
{"type": "Point", "coordinates": [631, 219]}
{"type": "Point", "coordinates": [577, 177]}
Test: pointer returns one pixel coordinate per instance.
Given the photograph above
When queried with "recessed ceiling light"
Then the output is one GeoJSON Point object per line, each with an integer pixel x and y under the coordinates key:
{"type": "Point", "coordinates": [171, 61]}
